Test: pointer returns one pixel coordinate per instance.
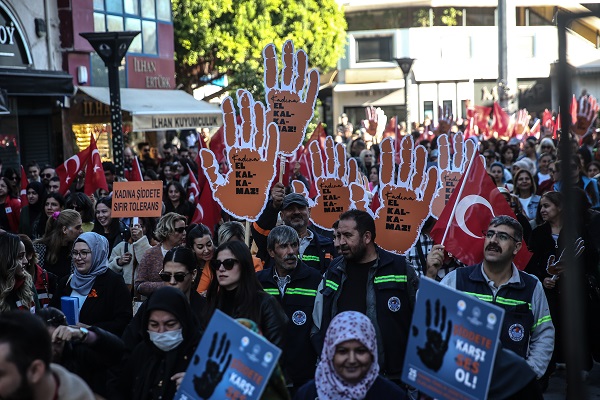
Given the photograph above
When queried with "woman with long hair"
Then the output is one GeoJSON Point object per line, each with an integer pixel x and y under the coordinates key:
{"type": "Point", "coordinates": [524, 188]}
{"type": "Point", "coordinates": [111, 228]}
{"type": "Point", "coordinates": [43, 281]}
{"type": "Point", "coordinates": [176, 201]}
{"type": "Point", "coordinates": [199, 239]}
{"type": "Point", "coordinates": [81, 203]}
{"type": "Point", "coordinates": [10, 207]}
{"type": "Point", "coordinates": [54, 202]}
{"type": "Point", "coordinates": [235, 290]}
{"type": "Point", "coordinates": [54, 248]}
{"type": "Point", "coordinates": [348, 368]}
{"type": "Point", "coordinates": [104, 300]}
{"type": "Point", "coordinates": [32, 212]}
{"type": "Point", "coordinates": [170, 232]}
{"type": "Point", "coordinates": [16, 284]}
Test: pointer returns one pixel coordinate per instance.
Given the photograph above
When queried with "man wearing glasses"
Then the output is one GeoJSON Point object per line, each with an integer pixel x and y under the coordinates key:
{"type": "Point", "coordinates": [527, 328]}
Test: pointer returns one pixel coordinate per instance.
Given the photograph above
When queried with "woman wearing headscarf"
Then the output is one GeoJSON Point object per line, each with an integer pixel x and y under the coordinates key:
{"type": "Point", "coordinates": [16, 284]}
{"type": "Point", "coordinates": [348, 369]}
{"type": "Point", "coordinates": [31, 213]}
{"type": "Point", "coordinates": [155, 367]}
{"type": "Point", "coordinates": [104, 300]}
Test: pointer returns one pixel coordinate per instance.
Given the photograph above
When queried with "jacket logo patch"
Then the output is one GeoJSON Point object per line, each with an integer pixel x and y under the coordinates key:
{"type": "Point", "coordinates": [516, 332]}
{"type": "Point", "coordinates": [394, 304]}
{"type": "Point", "coordinates": [299, 317]}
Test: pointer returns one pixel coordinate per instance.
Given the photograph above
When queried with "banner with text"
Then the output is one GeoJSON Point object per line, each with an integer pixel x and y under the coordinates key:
{"type": "Point", "coordinates": [137, 199]}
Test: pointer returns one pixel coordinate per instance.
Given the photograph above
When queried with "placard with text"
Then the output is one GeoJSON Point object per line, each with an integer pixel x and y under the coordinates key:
{"type": "Point", "coordinates": [452, 344]}
{"type": "Point", "coordinates": [137, 199]}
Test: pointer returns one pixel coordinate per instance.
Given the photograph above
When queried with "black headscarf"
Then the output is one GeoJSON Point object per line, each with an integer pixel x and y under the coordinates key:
{"type": "Point", "coordinates": [36, 209]}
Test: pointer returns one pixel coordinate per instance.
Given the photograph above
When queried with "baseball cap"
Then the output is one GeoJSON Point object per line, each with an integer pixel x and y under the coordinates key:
{"type": "Point", "coordinates": [294, 198]}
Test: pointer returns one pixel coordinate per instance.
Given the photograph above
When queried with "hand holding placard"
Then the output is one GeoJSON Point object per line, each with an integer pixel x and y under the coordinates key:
{"type": "Point", "coordinates": [290, 101]}
{"type": "Point", "coordinates": [587, 111]}
{"type": "Point", "coordinates": [251, 149]}
{"type": "Point", "coordinates": [451, 169]}
{"type": "Point", "coordinates": [521, 122]}
{"type": "Point", "coordinates": [332, 183]}
{"type": "Point", "coordinates": [406, 198]}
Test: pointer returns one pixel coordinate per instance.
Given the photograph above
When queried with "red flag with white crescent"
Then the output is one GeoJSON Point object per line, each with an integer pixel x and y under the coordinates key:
{"type": "Point", "coordinates": [94, 173]}
{"type": "Point", "coordinates": [136, 171]}
{"type": "Point", "coordinates": [501, 120]}
{"type": "Point", "coordinates": [471, 207]}
{"type": "Point", "coordinates": [68, 170]}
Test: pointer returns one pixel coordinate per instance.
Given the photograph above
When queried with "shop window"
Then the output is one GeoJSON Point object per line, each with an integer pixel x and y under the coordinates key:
{"type": "Point", "coordinates": [428, 109]}
{"type": "Point", "coordinates": [134, 24]}
{"type": "Point", "coordinates": [447, 106]}
{"type": "Point", "coordinates": [369, 49]}
{"type": "Point", "coordinates": [481, 16]}
{"type": "Point", "coordinates": [99, 23]}
{"type": "Point", "coordinates": [148, 9]}
{"type": "Point", "coordinates": [163, 10]}
{"type": "Point", "coordinates": [114, 23]}
{"type": "Point", "coordinates": [149, 37]}
{"type": "Point", "coordinates": [463, 108]}
{"type": "Point", "coordinates": [114, 6]}
{"type": "Point", "coordinates": [99, 5]}
{"type": "Point", "coordinates": [132, 7]}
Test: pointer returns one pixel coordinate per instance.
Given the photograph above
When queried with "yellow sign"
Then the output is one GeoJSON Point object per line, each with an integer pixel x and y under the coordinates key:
{"type": "Point", "coordinates": [137, 199]}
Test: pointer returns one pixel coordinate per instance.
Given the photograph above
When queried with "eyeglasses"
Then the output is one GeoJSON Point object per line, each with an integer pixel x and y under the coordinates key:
{"type": "Point", "coordinates": [228, 264]}
{"type": "Point", "coordinates": [82, 254]}
{"type": "Point", "coordinates": [503, 237]}
{"type": "Point", "coordinates": [181, 229]}
{"type": "Point", "coordinates": [166, 276]}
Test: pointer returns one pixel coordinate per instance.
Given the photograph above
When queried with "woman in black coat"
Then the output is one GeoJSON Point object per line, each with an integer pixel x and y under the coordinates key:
{"type": "Point", "coordinates": [104, 300]}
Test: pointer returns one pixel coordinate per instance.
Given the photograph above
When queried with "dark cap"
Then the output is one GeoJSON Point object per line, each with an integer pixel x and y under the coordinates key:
{"type": "Point", "coordinates": [294, 198]}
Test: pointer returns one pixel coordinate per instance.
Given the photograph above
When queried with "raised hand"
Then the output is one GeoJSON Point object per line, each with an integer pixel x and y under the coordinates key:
{"type": "Point", "coordinates": [251, 149]}
{"type": "Point", "coordinates": [556, 267]}
{"type": "Point", "coordinates": [405, 196]}
{"type": "Point", "coordinates": [445, 120]}
{"type": "Point", "coordinates": [332, 183]}
{"type": "Point", "coordinates": [291, 97]}
{"type": "Point", "coordinates": [432, 355]}
{"type": "Point", "coordinates": [205, 384]}
{"type": "Point", "coordinates": [451, 168]}
{"type": "Point", "coordinates": [587, 111]}
{"type": "Point", "coordinates": [375, 123]}
{"type": "Point", "coordinates": [521, 122]}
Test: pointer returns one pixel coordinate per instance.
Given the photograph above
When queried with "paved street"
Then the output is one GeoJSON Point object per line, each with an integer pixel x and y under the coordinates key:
{"type": "Point", "coordinates": [558, 385]}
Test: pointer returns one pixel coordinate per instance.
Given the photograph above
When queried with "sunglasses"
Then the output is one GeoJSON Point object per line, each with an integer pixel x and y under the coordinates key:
{"type": "Point", "coordinates": [228, 264]}
{"type": "Point", "coordinates": [180, 229]}
{"type": "Point", "coordinates": [166, 276]}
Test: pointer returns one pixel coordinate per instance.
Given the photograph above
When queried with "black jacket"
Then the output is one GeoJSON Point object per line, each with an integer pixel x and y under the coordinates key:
{"type": "Point", "coordinates": [110, 309]}
{"type": "Point", "coordinates": [299, 357]}
{"type": "Point", "coordinates": [319, 253]}
{"type": "Point", "coordinates": [380, 390]}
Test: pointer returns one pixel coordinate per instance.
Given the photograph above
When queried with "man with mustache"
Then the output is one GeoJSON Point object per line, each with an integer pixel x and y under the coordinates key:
{"type": "Point", "coordinates": [315, 250]}
{"type": "Point", "coordinates": [294, 284]}
{"type": "Point", "coordinates": [527, 328]}
{"type": "Point", "coordinates": [370, 280]}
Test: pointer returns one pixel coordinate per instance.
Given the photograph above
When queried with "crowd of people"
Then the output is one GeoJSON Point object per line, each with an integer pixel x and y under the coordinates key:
{"type": "Point", "coordinates": [147, 287]}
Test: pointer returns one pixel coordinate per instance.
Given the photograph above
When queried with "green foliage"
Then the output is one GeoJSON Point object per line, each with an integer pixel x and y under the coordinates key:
{"type": "Point", "coordinates": [227, 37]}
{"type": "Point", "coordinates": [450, 16]}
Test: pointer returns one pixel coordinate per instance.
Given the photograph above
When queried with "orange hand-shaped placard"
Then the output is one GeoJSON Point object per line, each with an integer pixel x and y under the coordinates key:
{"type": "Point", "coordinates": [405, 196]}
{"type": "Point", "coordinates": [587, 111]}
{"type": "Point", "coordinates": [333, 180]}
{"type": "Point", "coordinates": [451, 168]}
{"type": "Point", "coordinates": [251, 149]}
{"type": "Point", "coordinates": [290, 99]}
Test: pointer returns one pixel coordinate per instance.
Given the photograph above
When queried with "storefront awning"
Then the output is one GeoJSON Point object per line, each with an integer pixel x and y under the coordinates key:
{"type": "Point", "coordinates": [27, 82]}
{"type": "Point", "coordinates": [154, 110]}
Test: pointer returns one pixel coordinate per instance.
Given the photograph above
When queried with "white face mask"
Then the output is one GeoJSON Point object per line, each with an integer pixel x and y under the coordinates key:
{"type": "Point", "coordinates": [168, 340]}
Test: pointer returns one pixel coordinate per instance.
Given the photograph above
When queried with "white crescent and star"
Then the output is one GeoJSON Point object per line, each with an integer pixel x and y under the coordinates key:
{"type": "Point", "coordinates": [66, 164]}
{"type": "Point", "coordinates": [464, 205]}
{"type": "Point", "coordinates": [96, 167]}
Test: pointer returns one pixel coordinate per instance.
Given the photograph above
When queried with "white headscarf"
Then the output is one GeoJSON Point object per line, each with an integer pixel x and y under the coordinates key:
{"type": "Point", "coordinates": [349, 325]}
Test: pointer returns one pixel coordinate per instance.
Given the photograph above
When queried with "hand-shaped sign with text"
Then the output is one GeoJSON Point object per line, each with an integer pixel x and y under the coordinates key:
{"type": "Point", "coordinates": [333, 184]}
{"type": "Point", "coordinates": [290, 97]}
{"type": "Point", "coordinates": [251, 149]}
{"type": "Point", "coordinates": [587, 111]}
{"type": "Point", "coordinates": [405, 196]}
{"type": "Point", "coordinates": [451, 168]}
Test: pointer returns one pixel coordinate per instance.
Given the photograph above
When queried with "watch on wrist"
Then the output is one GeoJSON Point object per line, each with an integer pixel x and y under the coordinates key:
{"type": "Point", "coordinates": [84, 332]}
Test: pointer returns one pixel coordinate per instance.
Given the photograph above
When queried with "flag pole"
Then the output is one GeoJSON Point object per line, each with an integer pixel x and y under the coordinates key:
{"type": "Point", "coordinates": [465, 175]}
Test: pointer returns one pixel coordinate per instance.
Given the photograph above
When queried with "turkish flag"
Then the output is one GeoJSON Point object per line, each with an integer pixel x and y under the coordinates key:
{"type": "Point", "coordinates": [501, 120]}
{"type": "Point", "coordinates": [481, 117]}
{"type": "Point", "coordinates": [217, 144]}
{"type": "Point", "coordinates": [94, 173]}
{"type": "Point", "coordinates": [470, 128]}
{"type": "Point", "coordinates": [68, 170]}
{"type": "Point", "coordinates": [24, 183]}
{"type": "Point", "coordinates": [207, 210]}
{"type": "Point", "coordinates": [136, 171]}
{"type": "Point", "coordinates": [471, 207]}
{"type": "Point", "coordinates": [536, 128]}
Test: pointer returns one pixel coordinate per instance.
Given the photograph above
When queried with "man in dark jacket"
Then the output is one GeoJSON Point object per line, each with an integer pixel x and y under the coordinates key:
{"type": "Point", "coordinates": [316, 250]}
{"type": "Point", "coordinates": [372, 281]}
{"type": "Point", "coordinates": [294, 285]}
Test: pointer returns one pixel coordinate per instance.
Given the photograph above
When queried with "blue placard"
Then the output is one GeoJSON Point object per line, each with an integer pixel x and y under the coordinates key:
{"type": "Point", "coordinates": [452, 344]}
{"type": "Point", "coordinates": [70, 307]}
{"type": "Point", "coordinates": [231, 362]}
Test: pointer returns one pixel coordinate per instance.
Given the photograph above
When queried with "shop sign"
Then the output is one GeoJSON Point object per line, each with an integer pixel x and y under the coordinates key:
{"type": "Point", "coordinates": [175, 121]}
{"type": "Point", "coordinates": [14, 51]}
{"type": "Point", "coordinates": [150, 73]}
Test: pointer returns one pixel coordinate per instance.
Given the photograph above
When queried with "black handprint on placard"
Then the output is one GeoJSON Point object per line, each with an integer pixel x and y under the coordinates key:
{"type": "Point", "coordinates": [215, 368]}
{"type": "Point", "coordinates": [435, 347]}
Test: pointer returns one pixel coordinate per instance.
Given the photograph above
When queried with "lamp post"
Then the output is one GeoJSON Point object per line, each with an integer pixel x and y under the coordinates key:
{"type": "Point", "coordinates": [112, 47]}
{"type": "Point", "coordinates": [405, 65]}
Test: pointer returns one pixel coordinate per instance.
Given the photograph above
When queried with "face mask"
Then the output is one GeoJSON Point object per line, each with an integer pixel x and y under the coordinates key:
{"type": "Point", "coordinates": [166, 341]}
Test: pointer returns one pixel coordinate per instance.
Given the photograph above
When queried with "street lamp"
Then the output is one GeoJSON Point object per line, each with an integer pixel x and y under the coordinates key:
{"type": "Point", "coordinates": [405, 65]}
{"type": "Point", "coordinates": [112, 47]}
